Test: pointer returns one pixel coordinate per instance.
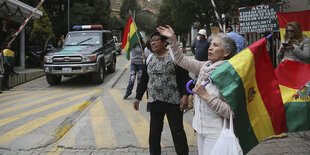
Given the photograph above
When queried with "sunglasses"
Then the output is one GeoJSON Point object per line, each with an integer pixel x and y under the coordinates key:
{"type": "Point", "coordinates": [290, 31]}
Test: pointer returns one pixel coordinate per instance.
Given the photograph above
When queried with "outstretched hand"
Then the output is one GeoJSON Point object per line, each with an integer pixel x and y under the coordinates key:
{"type": "Point", "coordinates": [166, 31]}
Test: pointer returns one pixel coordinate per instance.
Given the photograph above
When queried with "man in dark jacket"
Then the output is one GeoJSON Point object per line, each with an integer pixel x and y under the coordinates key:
{"type": "Point", "coordinates": [200, 46]}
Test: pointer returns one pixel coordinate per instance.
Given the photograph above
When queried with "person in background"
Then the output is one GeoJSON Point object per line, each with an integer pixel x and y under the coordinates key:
{"type": "Point", "coordinates": [147, 49]}
{"type": "Point", "coordinates": [200, 48]}
{"type": "Point", "coordinates": [8, 65]}
{"type": "Point", "coordinates": [295, 46]}
{"type": "Point", "coordinates": [210, 107]}
{"type": "Point", "coordinates": [240, 41]}
{"type": "Point", "coordinates": [136, 67]}
{"type": "Point", "coordinates": [165, 83]}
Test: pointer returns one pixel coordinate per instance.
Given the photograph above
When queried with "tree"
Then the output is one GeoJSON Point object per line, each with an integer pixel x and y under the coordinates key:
{"type": "Point", "coordinates": [102, 13]}
{"type": "Point", "coordinates": [146, 22]}
{"type": "Point", "coordinates": [81, 13]}
{"type": "Point", "coordinates": [165, 16]}
{"type": "Point", "coordinates": [180, 14]}
{"type": "Point", "coordinates": [126, 6]}
{"type": "Point", "coordinates": [42, 29]}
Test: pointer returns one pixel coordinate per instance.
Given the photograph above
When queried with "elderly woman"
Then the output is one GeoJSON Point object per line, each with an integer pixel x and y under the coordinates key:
{"type": "Point", "coordinates": [295, 46]}
{"type": "Point", "coordinates": [209, 104]}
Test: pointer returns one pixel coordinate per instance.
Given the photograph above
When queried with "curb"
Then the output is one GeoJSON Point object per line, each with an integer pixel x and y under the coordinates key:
{"type": "Point", "coordinates": [24, 77]}
{"type": "Point", "coordinates": [118, 76]}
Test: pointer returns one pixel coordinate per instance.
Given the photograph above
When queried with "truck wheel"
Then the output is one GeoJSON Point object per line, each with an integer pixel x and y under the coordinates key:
{"type": "Point", "coordinates": [53, 79]}
{"type": "Point", "coordinates": [111, 67]}
{"type": "Point", "coordinates": [98, 77]}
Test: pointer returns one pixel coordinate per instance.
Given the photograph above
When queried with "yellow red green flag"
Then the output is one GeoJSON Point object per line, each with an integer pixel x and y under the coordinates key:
{"type": "Point", "coordinates": [130, 37]}
{"type": "Point", "coordinates": [302, 17]}
{"type": "Point", "coordinates": [248, 83]}
{"type": "Point", "coordinates": [294, 80]}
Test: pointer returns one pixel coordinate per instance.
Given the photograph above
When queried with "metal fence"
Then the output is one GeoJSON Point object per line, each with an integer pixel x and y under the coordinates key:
{"type": "Point", "coordinates": [273, 44]}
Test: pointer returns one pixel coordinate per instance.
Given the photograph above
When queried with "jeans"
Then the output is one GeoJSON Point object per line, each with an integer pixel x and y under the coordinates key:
{"type": "Point", "coordinates": [175, 120]}
{"type": "Point", "coordinates": [134, 70]}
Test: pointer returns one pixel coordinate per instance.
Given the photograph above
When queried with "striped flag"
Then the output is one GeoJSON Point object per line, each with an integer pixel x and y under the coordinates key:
{"type": "Point", "coordinates": [302, 17]}
{"type": "Point", "coordinates": [294, 80]}
{"type": "Point", "coordinates": [248, 83]}
{"type": "Point", "coordinates": [130, 37]}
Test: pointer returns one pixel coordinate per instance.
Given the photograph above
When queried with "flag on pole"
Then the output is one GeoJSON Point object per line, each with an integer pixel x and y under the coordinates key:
{"type": "Point", "coordinates": [302, 17]}
{"type": "Point", "coordinates": [248, 83]}
{"type": "Point", "coordinates": [294, 81]}
{"type": "Point", "coordinates": [131, 37]}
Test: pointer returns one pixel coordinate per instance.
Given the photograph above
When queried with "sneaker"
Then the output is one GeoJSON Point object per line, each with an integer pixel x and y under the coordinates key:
{"type": "Point", "coordinates": [126, 96]}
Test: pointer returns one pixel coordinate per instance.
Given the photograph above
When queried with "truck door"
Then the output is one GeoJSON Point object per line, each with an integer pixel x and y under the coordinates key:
{"type": "Point", "coordinates": [108, 46]}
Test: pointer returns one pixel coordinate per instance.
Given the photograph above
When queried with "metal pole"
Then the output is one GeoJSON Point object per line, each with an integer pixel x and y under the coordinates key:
{"type": "Point", "coordinates": [217, 15]}
{"type": "Point", "coordinates": [68, 15]}
{"type": "Point", "coordinates": [26, 21]}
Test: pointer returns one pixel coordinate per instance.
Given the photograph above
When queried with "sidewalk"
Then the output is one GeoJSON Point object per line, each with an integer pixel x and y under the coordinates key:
{"type": "Point", "coordinates": [25, 76]}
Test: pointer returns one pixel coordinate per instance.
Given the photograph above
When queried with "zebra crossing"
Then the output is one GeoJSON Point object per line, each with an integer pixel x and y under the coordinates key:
{"type": "Point", "coordinates": [54, 120]}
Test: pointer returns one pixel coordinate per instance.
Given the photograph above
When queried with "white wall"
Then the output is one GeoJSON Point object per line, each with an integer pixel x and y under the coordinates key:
{"type": "Point", "coordinates": [296, 5]}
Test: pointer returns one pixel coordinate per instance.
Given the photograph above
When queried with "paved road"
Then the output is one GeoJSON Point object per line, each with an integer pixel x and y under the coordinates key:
{"type": "Point", "coordinates": [78, 117]}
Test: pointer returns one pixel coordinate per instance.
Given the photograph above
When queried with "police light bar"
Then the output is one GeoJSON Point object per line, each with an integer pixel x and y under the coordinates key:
{"type": "Point", "coordinates": [87, 27]}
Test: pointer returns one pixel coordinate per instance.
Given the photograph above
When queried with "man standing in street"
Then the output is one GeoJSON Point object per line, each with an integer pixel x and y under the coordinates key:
{"type": "Point", "coordinates": [240, 41]}
{"type": "Point", "coordinates": [136, 67]}
{"type": "Point", "coordinates": [8, 65]}
{"type": "Point", "coordinates": [200, 48]}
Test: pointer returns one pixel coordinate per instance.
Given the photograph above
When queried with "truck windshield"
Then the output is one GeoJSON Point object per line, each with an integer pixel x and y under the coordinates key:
{"type": "Point", "coordinates": [83, 38]}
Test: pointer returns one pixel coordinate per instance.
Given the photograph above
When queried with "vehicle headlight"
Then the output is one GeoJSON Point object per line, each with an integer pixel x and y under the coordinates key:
{"type": "Point", "coordinates": [48, 59]}
{"type": "Point", "coordinates": [87, 58]}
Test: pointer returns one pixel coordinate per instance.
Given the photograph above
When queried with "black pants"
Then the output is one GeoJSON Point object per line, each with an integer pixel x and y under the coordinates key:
{"type": "Point", "coordinates": [175, 120]}
{"type": "Point", "coordinates": [8, 69]}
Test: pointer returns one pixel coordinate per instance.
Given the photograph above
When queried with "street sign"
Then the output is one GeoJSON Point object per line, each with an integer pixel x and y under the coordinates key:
{"type": "Point", "coordinates": [260, 18]}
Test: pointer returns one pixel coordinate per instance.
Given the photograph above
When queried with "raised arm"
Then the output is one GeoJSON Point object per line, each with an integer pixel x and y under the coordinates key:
{"type": "Point", "coordinates": [191, 65]}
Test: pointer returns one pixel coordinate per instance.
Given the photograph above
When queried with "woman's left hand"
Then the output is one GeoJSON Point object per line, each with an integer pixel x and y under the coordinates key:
{"type": "Point", "coordinates": [201, 91]}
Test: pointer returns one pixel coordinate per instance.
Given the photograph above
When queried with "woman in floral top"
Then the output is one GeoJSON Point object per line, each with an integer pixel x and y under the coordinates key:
{"type": "Point", "coordinates": [165, 84]}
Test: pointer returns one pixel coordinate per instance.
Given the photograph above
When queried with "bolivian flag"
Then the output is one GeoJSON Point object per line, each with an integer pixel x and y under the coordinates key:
{"type": "Point", "coordinates": [294, 80]}
{"type": "Point", "coordinates": [130, 37]}
{"type": "Point", "coordinates": [248, 83]}
{"type": "Point", "coordinates": [302, 17]}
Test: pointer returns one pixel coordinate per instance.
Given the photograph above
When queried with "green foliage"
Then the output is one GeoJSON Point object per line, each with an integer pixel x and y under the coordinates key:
{"type": "Point", "coordinates": [102, 13]}
{"type": "Point", "coordinates": [42, 29]}
{"type": "Point", "coordinates": [180, 14]}
{"type": "Point", "coordinates": [146, 22]}
{"type": "Point", "coordinates": [126, 6]}
{"type": "Point", "coordinates": [117, 23]}
{"type": "Point", "coordinates": [81, 13]}
{"type": "Point", "coordinates": [165, 16]}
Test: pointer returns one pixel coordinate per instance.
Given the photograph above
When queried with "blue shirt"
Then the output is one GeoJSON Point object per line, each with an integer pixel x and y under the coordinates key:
{"type": "Point", "coordinates": [200, 50]}
{"type": "Point", "coordinates": [239, 40]}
